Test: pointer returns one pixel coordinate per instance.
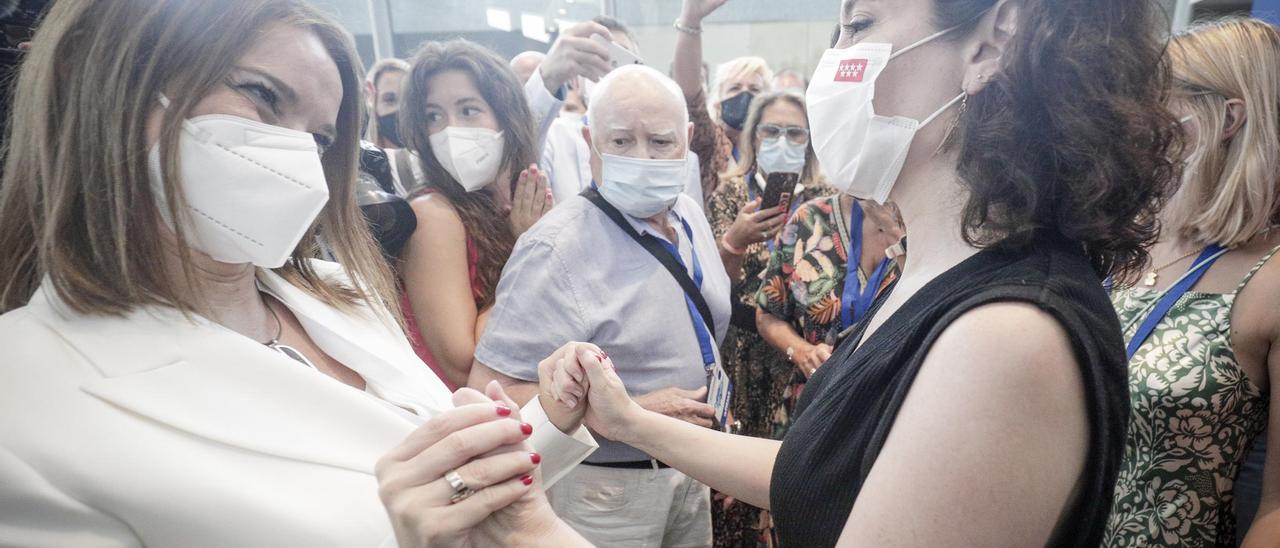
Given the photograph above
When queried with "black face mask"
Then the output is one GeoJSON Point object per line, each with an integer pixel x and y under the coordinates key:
{"type": "Point", "coordinates": [389, 128]}
{"type": "Point", "coordinates": [733, 111]}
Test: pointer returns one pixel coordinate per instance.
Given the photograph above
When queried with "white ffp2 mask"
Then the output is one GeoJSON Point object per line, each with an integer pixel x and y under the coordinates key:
{"type": "Point", "coordinates": [472, 155]}
{"type": "Point", "coordinates": [861, 152]}
{"type": "Point", "coordinates": [252, 189]}
{"type": "Point", "coordinates": [641, 187]}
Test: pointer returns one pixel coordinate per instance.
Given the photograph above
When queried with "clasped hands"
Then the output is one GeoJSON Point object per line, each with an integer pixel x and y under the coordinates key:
{"type": "Point", "coordinates": [482, 443]}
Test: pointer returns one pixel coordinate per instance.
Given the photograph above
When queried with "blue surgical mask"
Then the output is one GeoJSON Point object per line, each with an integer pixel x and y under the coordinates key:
{"type": "Point", "coordinates": [641, 187]}
{"type": "Point", "coordinates": [780, 155]}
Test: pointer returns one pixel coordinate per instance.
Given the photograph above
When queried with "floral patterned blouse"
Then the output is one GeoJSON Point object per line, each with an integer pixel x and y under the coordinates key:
{"type": "Point", "coordinates": [806, 275]}
{"type": "Point", "coordinates": [762, 377]}
{"type": "Point", "coordinates": [1194, 416]}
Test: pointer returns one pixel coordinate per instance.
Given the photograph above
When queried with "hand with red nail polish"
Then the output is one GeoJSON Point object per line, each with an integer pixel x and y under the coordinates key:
{"type": "Point", "coordinates": [610, 410]}
{"type": "Point", "coordinates": [568, 393]}
{"type": "Point", "coordinates": [483, 441]}
{"type": "Point", "coordinates": [530, 200]}
{"type": "Point", "coordinates": [562, 387]}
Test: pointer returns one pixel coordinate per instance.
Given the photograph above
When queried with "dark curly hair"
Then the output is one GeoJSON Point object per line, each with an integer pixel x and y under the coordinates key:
{"type": "Point", "coordinates": [486, 225]}
{"type": "Point", "coordinates": [1073, 136]}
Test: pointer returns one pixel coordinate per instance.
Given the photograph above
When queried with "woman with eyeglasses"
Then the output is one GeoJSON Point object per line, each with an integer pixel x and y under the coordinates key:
{"type": "Point", "coordinates": [775, 142]}
{"type": "Point", "coordinates": [804, 301]}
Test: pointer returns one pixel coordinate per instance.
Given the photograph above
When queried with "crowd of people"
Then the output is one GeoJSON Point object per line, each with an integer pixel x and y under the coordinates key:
{"type": "Point", "coordinates": [997, 273]}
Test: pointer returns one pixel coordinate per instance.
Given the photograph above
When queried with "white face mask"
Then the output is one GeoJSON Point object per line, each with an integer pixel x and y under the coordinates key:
{"type": "Point", "coordinates": [574, 117]}
{"type": "Point", "coordinates": [780, 155]}
{"type": "Point", "coordinates": [252, 189]}
{"type": "Point", "coordinates": [862, 153]}
{"type": "Point", "coordinates": [472, 155]}
{"type": "Point", "coordinates": [641, 187]}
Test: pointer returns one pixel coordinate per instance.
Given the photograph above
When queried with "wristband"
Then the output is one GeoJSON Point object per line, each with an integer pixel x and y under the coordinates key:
{"type": "Point", "coordinates": [724, 242]}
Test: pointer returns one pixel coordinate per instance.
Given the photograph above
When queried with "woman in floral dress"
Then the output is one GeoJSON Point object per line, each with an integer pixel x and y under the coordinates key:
{"type": "Point", "coordinates": [799, 317]}
{"type": "Point", "coordinates": [1202, 350]}
{"type": "Point", "coordinates": [804, 301]}
{"type": "Point", "coordinates": [778, 126]}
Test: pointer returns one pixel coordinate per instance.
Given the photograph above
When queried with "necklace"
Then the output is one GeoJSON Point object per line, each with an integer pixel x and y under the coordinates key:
{"type": "Point", "coordinates": [275, 341]}
{"type": "Point", "coordinates": [274, 344]}
{"type": "Point", "coordinates": [1154, 274]}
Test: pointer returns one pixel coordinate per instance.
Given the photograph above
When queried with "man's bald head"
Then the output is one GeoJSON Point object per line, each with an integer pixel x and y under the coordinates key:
{"type": "Point", "coordinates": [525, 63]}
{"type": "Point", "coordinates": [637, 94]}
{"type": "Point", "coordinates": [636, 112]}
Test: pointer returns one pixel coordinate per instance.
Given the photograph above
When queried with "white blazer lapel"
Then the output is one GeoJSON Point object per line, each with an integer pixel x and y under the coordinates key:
{"type": "Point", "coordinates": [198, 377]}
{"type": "Point", "coordinates": [371, 346]}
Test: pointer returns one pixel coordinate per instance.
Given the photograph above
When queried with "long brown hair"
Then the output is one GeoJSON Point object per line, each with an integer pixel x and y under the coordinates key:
{"type": "Point", "coordinates": [77, 203]}
{"type": "Point", "coordinates": [1072, 137]}
{"type": "Point", "coordinates": [486, 225]}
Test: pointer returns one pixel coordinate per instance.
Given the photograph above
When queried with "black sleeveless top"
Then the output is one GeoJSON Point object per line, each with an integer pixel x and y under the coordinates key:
{"type": "Point", "coordinates": [851, 403]}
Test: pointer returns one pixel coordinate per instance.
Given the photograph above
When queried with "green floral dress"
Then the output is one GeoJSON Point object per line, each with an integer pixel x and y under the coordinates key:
{"type": "Point", "coordinates": [1194, 416]}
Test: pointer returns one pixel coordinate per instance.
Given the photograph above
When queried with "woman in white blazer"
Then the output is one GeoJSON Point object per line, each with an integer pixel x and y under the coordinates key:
{"type": "Point", "coordinates": [175, 367]}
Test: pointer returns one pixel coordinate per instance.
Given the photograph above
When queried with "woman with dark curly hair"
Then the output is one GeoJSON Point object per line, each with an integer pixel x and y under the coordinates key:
{"type": "Point", "coordinates": [983, 402]}
{"type": "Point", "coordinates": [465, 115]}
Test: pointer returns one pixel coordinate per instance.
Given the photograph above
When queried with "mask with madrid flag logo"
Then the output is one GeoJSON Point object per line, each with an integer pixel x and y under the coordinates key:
{"type": "Point", "coordinates": [862, 153]}
{"type": "Point", "coordinates": [851, 70]}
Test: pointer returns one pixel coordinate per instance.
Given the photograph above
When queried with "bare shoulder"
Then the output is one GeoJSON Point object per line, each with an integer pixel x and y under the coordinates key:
{"type": "Point", "coordinates": [436, 210]}
{"type": "Point", "coordinates": [437, 215]}
{"type": "Point", "coordinates": [1010, 347]}
{"type": "Point", "coordinates": [1267, 279]}
{"type": "Point", "coordinates": [999, 390]}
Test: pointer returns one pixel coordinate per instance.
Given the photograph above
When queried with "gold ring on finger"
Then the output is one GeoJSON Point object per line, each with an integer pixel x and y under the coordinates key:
{"type": "Point", "coordinates": [460, 488]}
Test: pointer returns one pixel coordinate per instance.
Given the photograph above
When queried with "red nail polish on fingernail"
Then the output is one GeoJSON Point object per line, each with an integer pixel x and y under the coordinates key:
{"type": "Point", "coordinates": [526, 428]}
{"type": "Point", "coordinates": [527, 480]}
{"type": "Point", "coordinates": [504, 411]}
{"type": "Point", "coordinates": [536, 458]}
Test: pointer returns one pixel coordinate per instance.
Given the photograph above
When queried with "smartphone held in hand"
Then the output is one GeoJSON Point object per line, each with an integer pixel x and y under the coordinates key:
{"type": "Point", "coordinates": [778, 190]}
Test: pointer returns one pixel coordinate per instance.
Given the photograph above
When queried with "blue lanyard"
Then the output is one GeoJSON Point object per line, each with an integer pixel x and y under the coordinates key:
{"type": "Point", "coordinates": [699, 325]}
{"type": "Point", "coordinates": [854, 304]}
{"type": "Point", "coordinates": [1171, 296]}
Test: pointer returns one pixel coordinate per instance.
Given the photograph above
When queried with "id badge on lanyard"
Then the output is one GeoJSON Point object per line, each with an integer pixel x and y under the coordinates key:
{"type": "Point", "coordinates": [719, 387]}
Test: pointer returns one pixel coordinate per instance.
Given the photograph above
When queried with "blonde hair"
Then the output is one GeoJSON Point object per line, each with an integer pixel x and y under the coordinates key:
{"type": "Point", "coordinates": [742, 68]}
{"type": "Point", "coordinates": [1231, 189]}
{"type": "Point", "coordinates": [390, 64]}
{"type": "Point", "coordinates": [747, 141]}
{"type": "Point", "coordinates": [77, 204]}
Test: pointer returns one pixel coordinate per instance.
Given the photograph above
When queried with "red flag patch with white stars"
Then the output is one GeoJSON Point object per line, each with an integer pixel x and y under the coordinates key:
{"type": "Point", "coordinates": [851, 70]}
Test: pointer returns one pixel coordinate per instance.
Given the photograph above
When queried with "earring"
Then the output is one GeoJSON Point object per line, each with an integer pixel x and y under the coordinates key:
{"type": "Point", "coordinates": [955, 124]}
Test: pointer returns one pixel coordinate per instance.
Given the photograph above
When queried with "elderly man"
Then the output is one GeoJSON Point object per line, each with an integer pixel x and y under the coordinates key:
{"type": "Point", "coordinates": [583, 274]}
{"type": "Point", "coordinates": [566, 157]}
